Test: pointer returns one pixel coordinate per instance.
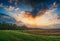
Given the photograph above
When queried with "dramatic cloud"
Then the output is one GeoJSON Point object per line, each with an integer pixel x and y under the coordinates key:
{"type": "Point", "coordinates": [40, 15]}
{"type": "Point", "coordinates": [44, 20]}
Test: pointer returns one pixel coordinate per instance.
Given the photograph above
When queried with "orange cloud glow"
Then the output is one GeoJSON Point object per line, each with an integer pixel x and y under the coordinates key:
{"type": "Point", "coordinates": [45, 20]}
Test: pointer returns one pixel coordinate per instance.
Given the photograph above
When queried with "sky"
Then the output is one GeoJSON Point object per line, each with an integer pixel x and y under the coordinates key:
{"type": "Point", "coordinates": [33, 13]}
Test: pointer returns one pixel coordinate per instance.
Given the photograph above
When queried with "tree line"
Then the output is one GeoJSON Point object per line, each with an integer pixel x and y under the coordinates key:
{"type": "Point", "coordinates": [6, 26]}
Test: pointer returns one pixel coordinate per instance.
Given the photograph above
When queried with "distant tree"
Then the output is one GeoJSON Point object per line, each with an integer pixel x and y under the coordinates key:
{"type": "Point", "coordinates": [6, 26]}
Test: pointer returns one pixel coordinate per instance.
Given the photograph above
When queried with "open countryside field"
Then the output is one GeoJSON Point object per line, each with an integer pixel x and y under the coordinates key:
{"type": "Point", "coordinates": [17, 35]}
{"type": "Point", "coordinates": [44, 31]}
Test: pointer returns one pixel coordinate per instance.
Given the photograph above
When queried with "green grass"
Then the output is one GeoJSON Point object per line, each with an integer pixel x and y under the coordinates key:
{"type": "Point", "coordinates": [16, 35]}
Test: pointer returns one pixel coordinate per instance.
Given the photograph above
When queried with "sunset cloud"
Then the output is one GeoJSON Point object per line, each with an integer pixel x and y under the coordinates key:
{"type": "Point", "coordinates": [45, 20]}
{"type": "Point", "coordinates": [44, 16]}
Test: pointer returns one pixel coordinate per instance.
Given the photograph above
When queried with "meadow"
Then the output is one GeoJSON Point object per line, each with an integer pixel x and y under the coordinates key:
{"type": "Point", "coordinates": [9, 32]}
{"type": "Point", "coordinates": [17, 35]}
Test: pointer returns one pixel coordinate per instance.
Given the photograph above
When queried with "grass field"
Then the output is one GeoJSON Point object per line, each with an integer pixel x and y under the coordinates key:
{"type": "Point", "coordinates": [16, 35]}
